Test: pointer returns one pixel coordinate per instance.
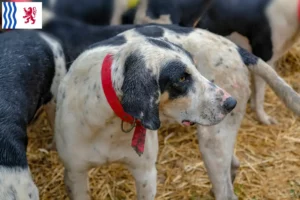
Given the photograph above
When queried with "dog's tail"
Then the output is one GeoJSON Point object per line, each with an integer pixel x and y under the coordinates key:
{"type": "Point", "coordinates": [285, 92]}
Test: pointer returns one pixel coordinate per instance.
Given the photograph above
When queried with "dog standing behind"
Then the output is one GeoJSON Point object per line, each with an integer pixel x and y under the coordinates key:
{"type": "Point", "coordinates": [31, 67]}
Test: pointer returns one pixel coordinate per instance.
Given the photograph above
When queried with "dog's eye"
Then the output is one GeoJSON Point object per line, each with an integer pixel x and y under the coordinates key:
{"type": "Point", "coordinates": [182, 78]}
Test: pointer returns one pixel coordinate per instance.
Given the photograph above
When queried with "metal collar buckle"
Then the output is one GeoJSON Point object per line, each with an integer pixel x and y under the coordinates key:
{"type": "Point", "coordinates": [130, 129]}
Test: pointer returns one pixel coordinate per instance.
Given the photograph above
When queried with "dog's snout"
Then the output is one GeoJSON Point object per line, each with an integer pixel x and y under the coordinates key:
{"type": "Point", "coordinates": [229, 104]}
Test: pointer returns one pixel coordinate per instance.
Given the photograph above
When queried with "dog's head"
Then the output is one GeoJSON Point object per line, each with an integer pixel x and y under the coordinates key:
{"type": "Point", "coordinates": [161, 83]}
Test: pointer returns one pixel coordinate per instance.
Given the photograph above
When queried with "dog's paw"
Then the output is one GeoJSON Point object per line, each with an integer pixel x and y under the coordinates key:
{"type": "Point", "coordinates": [17, 184]}
{"type": "Point", "coordinates": [230, 197]}
{"type": "Point", "coordinates": [266, 119]}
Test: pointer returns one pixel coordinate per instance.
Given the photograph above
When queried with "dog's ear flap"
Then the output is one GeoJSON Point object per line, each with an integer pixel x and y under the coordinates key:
{"type": "Point", "coordinates": [140, 92]}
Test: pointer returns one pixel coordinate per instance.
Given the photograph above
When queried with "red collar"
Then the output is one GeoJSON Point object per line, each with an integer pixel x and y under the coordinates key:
{"type": "Point", "coordinates": [138, 139]}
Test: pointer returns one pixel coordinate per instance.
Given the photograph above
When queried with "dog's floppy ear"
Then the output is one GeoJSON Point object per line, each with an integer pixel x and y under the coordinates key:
{"type": "Point", "coordinates": [140, 92]}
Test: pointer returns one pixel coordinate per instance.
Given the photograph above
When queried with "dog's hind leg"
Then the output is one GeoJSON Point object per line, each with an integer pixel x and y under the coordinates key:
{"type": "Point", "coordinates": [216, 144]}
{"type": "Point", "coordinates": [235, 165]}
{"type": "Point", "coordinates": [260, 87]}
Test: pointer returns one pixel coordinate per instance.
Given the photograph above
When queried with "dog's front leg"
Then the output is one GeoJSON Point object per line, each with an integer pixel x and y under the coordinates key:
{"type": "Point", "coordinates": [76, 183]}
{"type": "Point", "coordinates": [145, 180]}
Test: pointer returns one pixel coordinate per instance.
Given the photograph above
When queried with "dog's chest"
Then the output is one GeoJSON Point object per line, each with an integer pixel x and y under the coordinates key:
{"type": "Point", "coordinates": [112, 145]}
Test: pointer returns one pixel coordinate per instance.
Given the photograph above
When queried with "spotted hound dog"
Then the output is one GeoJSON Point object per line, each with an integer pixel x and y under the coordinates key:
{"type": "Point", "coordinates": [31, 66]}
{"type": "Point", "coordinates": [220, 61]}
{"type": "Point", "coordinates": [151, 80]}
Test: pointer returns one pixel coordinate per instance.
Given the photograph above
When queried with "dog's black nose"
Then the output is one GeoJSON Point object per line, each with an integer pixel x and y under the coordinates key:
{"type": "Point", "coordinates": [229, 104]}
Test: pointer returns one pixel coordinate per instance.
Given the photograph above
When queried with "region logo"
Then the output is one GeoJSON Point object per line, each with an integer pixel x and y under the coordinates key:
{"type": "Point", "coordinates": [22, 15]}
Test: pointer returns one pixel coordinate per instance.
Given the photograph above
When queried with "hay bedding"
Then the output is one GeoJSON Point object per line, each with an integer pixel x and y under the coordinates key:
{"type": "Point", "coordinates": [269, 155]}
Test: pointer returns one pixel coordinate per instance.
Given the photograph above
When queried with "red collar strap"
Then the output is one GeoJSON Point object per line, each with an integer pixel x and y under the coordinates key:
{"type": "Point", "coordinates": [139, 135]}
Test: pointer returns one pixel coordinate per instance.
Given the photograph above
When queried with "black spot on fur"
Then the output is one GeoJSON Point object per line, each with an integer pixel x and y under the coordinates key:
{"type": "Point", "coordinates": [114, 41]}
{"type": "Point", "coordinates": [150, 31]}
{"type": "Point", "coordinates": [169, 79]}
{"type": "Point", "coordinates": [248, 58]}
{"type": "Point", "coordinates": [220, 62]}
{"type": "Point", "coordinates": [160, 43]}
{"type": "Point", "coordinates": [139, 87]}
